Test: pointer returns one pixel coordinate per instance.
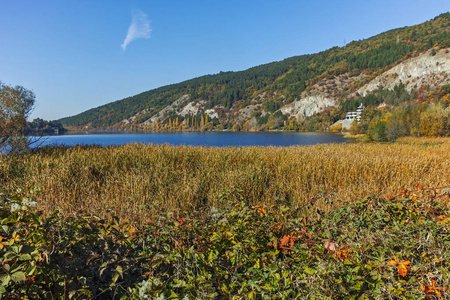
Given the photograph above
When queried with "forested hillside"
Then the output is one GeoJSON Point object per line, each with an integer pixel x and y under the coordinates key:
{"type": "Point", "coordinates": [251, 99]}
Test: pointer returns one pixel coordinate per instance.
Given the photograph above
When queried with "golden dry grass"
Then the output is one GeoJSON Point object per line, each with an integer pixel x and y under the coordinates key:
{"type": "Point", "coordinates": [179, 179]}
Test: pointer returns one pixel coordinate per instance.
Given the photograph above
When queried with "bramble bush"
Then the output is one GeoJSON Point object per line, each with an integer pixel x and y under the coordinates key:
{"type": "Point", "coordinates": [59, 257]}
{"type": "Point", "coordinates": [376, 248]}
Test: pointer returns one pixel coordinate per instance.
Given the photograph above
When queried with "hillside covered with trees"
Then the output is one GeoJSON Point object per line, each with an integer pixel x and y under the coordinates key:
{"type": "Point", "coordinates": [257, 98]}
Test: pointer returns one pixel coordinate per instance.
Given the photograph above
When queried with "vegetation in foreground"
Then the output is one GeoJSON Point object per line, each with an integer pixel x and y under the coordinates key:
{"type": "Point", "coordinates": [149, 222]}
{"type": "Point", "coordinates": [376, 248]}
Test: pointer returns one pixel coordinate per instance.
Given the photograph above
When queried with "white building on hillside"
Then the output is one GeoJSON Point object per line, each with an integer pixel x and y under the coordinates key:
{"type": "Point", "coordinates": [355, 114]}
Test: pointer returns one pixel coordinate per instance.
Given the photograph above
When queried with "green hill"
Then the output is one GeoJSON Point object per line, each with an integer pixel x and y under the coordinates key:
{"type": "Point", "coordinates": [271, 85]}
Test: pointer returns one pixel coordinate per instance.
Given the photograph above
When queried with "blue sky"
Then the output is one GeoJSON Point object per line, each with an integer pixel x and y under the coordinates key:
{"type": "Point", "coordinates": [75, 55]}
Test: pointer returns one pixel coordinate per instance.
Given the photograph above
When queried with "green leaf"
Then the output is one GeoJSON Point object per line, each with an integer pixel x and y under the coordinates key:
{"type": "Point", "coordinates": [6, 267]}
{"type": "Point", "coordinates": [30, 270]}
{"type": "Point", "coordinates": [25, 257]}
{"type": "Point", "coordinates": [18, 277]}
{"type": "Point", "coordinates": [120, 271]}
{"type": "Point", "coordinates": [9, 255]}
{"type": "Point", "coordinates": [357, 286]}
{"type": "Point", "coordinates": [115, 277]}
{"type": "Point", "coordinates": [5, 278]}
{"type": "Point", "coordinates": [257, 265]}
{"type": "Point", "coordinates": [309, 271]}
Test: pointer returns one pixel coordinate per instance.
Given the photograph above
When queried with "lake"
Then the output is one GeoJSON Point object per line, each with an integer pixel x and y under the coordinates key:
{"type": "Point", "coordinates": [211, 139]}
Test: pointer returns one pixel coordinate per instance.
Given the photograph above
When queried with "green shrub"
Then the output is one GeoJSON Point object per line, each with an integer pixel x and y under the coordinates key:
{"type": "Point", "coordinates": [396, 247]}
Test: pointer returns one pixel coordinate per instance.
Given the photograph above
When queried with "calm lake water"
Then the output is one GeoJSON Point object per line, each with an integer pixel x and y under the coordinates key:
{"type": "Point", "coordinates": [211, 139]}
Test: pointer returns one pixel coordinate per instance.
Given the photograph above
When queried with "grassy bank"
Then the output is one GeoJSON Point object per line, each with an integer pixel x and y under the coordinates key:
{"type": "Point", "coordinates": [135, 180]}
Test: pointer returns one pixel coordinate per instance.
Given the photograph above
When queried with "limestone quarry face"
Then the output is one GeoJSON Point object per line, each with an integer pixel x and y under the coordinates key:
{"type": "Point", "coordinates": [173, 106]}
{"type": "Point", "coordinates": [424, 69]}
{"type": "Point", "coordinates": [212, 113]}
{"type": "Point", "coordinates": [308, 106]}
{"type": "Point", "coordinates": [192, 108]}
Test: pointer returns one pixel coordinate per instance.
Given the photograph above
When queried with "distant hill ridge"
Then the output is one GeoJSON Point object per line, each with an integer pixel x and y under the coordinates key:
{"type": "Point", "coordinates": [269, 95]}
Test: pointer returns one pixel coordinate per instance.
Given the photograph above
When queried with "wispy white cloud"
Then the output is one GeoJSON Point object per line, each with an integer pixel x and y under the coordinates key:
{"type": "Point", "coordinates": [139, 28]}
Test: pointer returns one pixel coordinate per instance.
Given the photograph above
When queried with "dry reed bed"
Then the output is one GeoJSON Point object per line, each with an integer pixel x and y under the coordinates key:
{"type": "Point", "coordinates": [179, 179]}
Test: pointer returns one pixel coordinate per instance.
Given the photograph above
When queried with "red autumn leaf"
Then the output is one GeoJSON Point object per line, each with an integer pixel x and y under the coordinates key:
{"type": "Point", "coordinates": [284, 240]}
{"type": "Point", "coordinates": [432, 290]}
{"type": "Point", "coordinates": [287, 241]}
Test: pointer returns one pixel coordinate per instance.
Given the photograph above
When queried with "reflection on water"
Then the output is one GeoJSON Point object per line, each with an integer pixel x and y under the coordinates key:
{"type": "Point", "coordinates": [211, 139]}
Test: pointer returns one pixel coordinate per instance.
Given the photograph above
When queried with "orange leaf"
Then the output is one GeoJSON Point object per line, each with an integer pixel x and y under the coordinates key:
{"type": "Point", "coordinates": [261, 210]}
{"type": "Point", "coordinates": [403, 268]}
{"type": "Point", "coordinates": [392, 262]}
{"type": "Point", "coordinates": [287, 241]}
{"type": "Point", "coordinates": [405, 193]}
{"type": "Point", "coordinates": [443, 219]}
{"type": "Point", "coordinates": [342, 255]}
{"type": "Point", "coordinates": [432, 290]}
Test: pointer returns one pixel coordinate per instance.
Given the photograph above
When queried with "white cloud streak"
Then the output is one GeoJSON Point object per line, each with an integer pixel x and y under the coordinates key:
{"type": "Point", "coordinates": [139, 28]}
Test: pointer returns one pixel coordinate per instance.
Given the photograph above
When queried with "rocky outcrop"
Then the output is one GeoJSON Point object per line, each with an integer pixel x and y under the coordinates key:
{"type": "Point", "coordinates": [308, 106]}
{"type": "Point", "coordinates": [345, 124]}
{"type": "Point", "coordinates": [173, 106]}
{"type": "Point", "coordinates": [431, 68]}
{"type": "Point", "coordinates": [192, 108]}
